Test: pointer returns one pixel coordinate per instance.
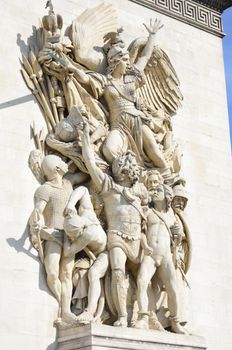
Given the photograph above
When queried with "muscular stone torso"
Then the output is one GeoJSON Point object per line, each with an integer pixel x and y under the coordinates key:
{"type": "Point", "coordinates": [158, 235]}
{"type": "Point", "coordinates": [121, 216]}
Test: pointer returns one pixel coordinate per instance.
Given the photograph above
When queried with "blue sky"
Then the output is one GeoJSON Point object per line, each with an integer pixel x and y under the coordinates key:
{"type": "Point", "coordinates": [227, 46]}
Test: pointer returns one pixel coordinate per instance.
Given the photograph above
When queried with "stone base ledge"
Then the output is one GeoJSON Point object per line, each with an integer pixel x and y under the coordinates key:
{"type": "Point", "coordinates": [99, 337]}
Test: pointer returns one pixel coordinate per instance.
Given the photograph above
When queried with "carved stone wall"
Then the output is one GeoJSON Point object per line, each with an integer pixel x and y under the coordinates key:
{"type": "Point", "coordinates": [188, 11]}
{"type": "Point", "coordinates": [201, 126]}
{"type": "Point", "coordinates": [95, 337]}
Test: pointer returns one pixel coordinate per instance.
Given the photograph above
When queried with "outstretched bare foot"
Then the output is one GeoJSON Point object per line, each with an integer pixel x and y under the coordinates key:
{"type": "Point", "coordinates": [121, 322]}
{"type": "Point", "coordinates": [58, 321]}
{"type": "Point", "coordinates": [102, 318]}
{"type": "Point", "coordinates": [69, 318]}
{"type": "Point", "coordinates": [85, 318]}
{"type": "Point", "coordinates": [177, 328]}
{"type": "Point", "coordinates": [141, 324]}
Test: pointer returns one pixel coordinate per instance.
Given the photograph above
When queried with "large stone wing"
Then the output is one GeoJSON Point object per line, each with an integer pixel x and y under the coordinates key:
{"type": "Point", "coordinates": [87, 34]}
{"type": "Point", "coordinates": [161, 83]}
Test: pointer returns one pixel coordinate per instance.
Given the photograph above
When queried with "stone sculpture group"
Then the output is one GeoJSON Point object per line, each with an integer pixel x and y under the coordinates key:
{"type": "Point", "coordinates": [108, 221]}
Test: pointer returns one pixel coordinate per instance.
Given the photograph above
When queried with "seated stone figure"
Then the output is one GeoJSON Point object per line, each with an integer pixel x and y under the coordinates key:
{"type": "Point", "coordinates": [162, 231]}
{"type": "Point", "coordinates": [85, 233]}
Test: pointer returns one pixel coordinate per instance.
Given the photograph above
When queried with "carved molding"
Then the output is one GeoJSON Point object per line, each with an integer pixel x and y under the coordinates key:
{"type": "Point", "coordinates": [219, 5]}
{"type": "Point", "coordinates": [188, 11]}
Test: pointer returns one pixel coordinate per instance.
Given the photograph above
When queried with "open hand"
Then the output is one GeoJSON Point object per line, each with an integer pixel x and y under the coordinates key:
{"type": "Point", "coordinates": [86, 129]}
{"type": "Point", "coordinates": [83, 130]}
{"type": "Point", "coordinates": [176, 229]}
{"type": "Point", "coordinates": [35, 241]}
{"type": "Point", "coordinates": [153, 26]}
{"type": "Point", "coordinates": [148, 250]}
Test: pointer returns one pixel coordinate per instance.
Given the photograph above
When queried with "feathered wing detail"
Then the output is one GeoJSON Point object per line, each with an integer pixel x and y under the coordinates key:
{"type": "Point", "coordinates": [161, 83]}
{"type": "Point", "coordinates": [87, 34]}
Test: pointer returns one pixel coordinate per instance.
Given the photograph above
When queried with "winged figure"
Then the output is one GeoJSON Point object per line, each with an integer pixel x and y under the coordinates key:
{"type": "Point", "coordinates": [133, 91]}
{"type": "Point", "coordinates": [90, 36]}
{"type": "Point", "coordinates": [88, 78]}
{"type": "Point", "coordinates": [140, 99]}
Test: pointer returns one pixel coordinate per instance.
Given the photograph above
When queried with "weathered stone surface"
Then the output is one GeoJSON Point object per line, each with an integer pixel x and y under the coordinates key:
{"type": "Point", "coordinates": [205, 15]}
{"type": "Point", "coordinates": [112, 123]}
{"type": "Point", "coordinates": [98, 337]}
{"type": "Point", "coordinates": [221, 5]}
{"type": "Point", "coordinates": [28, 310]}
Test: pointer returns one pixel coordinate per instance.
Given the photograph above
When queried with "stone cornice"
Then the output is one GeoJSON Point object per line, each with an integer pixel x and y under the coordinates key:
{"type": "Point", "coordinates": [219, 5]}
{"type": "Point", "coordinates": [205, 15]}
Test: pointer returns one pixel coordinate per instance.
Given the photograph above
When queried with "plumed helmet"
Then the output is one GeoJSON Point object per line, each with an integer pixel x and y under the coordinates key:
{"type": "Point", "coordinates": [115, 53]}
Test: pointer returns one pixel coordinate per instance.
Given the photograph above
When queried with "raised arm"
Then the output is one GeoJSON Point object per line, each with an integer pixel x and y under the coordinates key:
{"type": "Point", "coordinates": [80, 194]}
{"type": "Point", "coordinates": [79, 74]}
{"type": "Point", "coordinates": [147, 51]}
{"type": "Point", "coordinates": [95, 172]}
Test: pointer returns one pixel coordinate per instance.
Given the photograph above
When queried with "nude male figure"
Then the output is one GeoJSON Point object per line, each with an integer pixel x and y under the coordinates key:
{"type": "Point", "coordinates": [162, 227]}
{"type": "Point", "coordinates": [84, 230]}
{"type": "Point", "coordinates": [122, 203]}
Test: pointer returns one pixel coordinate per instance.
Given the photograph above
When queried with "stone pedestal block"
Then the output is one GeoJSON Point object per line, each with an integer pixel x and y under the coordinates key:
{"type": "Point", "coordinates": [98, 337]}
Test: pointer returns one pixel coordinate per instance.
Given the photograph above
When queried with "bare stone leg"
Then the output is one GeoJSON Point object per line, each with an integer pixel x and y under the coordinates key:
{"type": "Point", "coordinates": [52, 264]}
{"type": "Point", "coordinates": [167, 274]}
{"type": "Point", "coordinates": [146, 271]}
{"type": "Point", "coordinates": [94, 290]}
{"type": "Point", "coordinates": [114, 146]}
{"type": "Point", "coordinates": [66, 294]}
{"type": "Point", "coordinates": [96, 272]}
{"type": "Point", "coordinates": [152, 149]}
{"type": "Point", "coordinates": [118, 260]}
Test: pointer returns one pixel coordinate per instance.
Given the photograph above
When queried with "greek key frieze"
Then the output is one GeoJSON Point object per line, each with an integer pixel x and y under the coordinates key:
{"type": "Point", "coordinates": [188, 11]}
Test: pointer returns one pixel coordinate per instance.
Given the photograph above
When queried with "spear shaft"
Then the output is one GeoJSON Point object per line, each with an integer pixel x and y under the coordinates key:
{"type": "Point", "coordinates": [33, 77]}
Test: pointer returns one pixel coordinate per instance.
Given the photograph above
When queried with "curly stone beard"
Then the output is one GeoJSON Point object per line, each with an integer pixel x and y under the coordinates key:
{"type": "Point", "coordinates": [126, 166]}
{"type": "Point", "coordinates": [133, 173]}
